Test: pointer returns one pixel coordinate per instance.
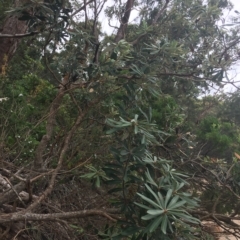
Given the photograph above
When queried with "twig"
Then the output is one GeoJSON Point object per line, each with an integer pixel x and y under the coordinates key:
{"type": "Point", "coordinates": [19, 35]}
{"type": "Point", "coordinates": [79, 165]}
{"type": "Point", "coordinates": [15, 191]}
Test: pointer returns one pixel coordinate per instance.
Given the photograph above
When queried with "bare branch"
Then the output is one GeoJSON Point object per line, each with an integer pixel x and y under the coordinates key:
{"type": "Point", "coordinates": [235, 42]}
{"type": "Point", "coordinates": [19, 35]}
{"type": "Point", "coordinates": [61, 157]}
{"type": "Point", "coordinates": [19, 216]}
{"type": "Point", "coordinates": [206, 216]}
{"type": "Point", "coordinates": [160, 12]}
{"type": "Point", "coordinates": [60, 161]}
{"type": "Point", "coordinates": [10, 194]}
{"type": "Point", "coordinates": [81, 8]}
{"type": "Point", "coordinates": [38, 161]}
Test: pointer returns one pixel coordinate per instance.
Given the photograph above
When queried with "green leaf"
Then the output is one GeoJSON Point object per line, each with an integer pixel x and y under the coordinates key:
{"type": "Point", "coordinates": [112, 130]}
{"type": "Point", "coordinates": [164, 224]}
{"type": "Point", "coordinates": [160, 197]}
{"type": "Point", "coordinates": [143, 141]}
{"type": "Point", "coordinates": [155, 224]}
{"type": "Point", "coordinates": [149, 201]}
{"type": "Point", "coordinates": [97, 183]}
{"type": "Point", "coordinates": [177, 205]}
{"type": "Point", "coordinates": [185, 216]}
{"type": "Point", "coordinates": [142, 206]}
{"type": "Point", "coordinates": [88, 175]}
{"type": "Point", "coordinates": [170, 225]}
{"type": "Point", "coordinates": [136, 117]}
{"type": "Point", "coordinates": [124, 152]}
{"type": "Point", "coordinates": [173, 201]}
{"type": "Point", "coordinates": [154, 194]}
{"type": "Point", "coordinates": [168, 196]}
{"type": "Point", "coordinates": [148, 217]}
{"type": "Point", "coordinates": [180, 186]}
{"type": "Point", "coordinates": [136, 129]}
{"type": "Point", "coordinates": [155, 212]}
{"type": "Point", "coordinates": [149, 178]}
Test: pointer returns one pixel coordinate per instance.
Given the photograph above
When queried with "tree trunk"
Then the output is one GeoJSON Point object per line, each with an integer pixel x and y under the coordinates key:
{"type": "Point", "coordinates": [124, 21]}
{"type": "Point", "coordinates": [8, 46]}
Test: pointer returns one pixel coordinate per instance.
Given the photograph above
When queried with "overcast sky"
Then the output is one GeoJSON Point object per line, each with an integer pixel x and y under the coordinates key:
{"type": "Point", "coordinates": [235, 69]}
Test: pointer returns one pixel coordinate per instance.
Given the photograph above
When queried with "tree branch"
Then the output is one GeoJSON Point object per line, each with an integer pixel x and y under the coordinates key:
{"type": "Point", "coordinates": [227, 48]}
{"type": "Point", "coordinates": [10, 194]}
{"type": "Point", "coordinates": [38, 161]}
{"type": "Point", "coordinates": [81, 8]}
{"type": "Point", "coordinates": [6, 218]}
{"type": "Point", "coordinates": [62, 156]}
{"type": "Point", "coordinates": [160, 12]}
{"type": "Point", "coordinates": [19, 35]}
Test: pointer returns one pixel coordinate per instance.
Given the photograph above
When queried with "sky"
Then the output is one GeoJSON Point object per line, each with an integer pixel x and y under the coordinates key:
{"type": "Point", "coordinates": [234, 73]}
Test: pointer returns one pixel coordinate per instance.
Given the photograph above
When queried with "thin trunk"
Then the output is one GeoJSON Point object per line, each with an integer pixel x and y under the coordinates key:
{"type": "Point", "coordinates": [124, 21]}
{"type": "Point", "coordinates": [8, 46]}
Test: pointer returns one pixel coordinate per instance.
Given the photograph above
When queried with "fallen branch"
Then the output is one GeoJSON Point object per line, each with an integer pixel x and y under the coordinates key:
{"type": "Point", "coordinates": [6, 218]}
{"type": "Point", "coordinates": [10, 195]}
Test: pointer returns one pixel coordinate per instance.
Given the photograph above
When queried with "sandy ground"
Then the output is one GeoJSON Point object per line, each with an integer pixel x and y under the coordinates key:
{"type": "Point", "coordinates": [227, 237]}
{"type": "Point", "coordinates": [212, 227]}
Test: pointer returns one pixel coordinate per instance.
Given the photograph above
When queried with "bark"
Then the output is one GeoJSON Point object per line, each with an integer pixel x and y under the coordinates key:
{"type": "Point", "coordinates": [6, 218]}
{"type": "Point", "coordinates": [8, 46]}
{"type": "Point", "coordinates": [124, 21]}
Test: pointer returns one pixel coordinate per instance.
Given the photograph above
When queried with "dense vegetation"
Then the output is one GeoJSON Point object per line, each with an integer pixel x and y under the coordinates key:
{"type": "Point", "coordinates": [113, 136]}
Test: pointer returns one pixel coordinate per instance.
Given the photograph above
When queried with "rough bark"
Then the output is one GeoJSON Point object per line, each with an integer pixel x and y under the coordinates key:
{"type": "Point", "coordinates": [8, 46]}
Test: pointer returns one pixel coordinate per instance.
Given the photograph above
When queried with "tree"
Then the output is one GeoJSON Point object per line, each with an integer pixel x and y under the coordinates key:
{"type": "Point", "coordinates": [107, 110]}
{"type": "Point", "coordinates": [9, 43]}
